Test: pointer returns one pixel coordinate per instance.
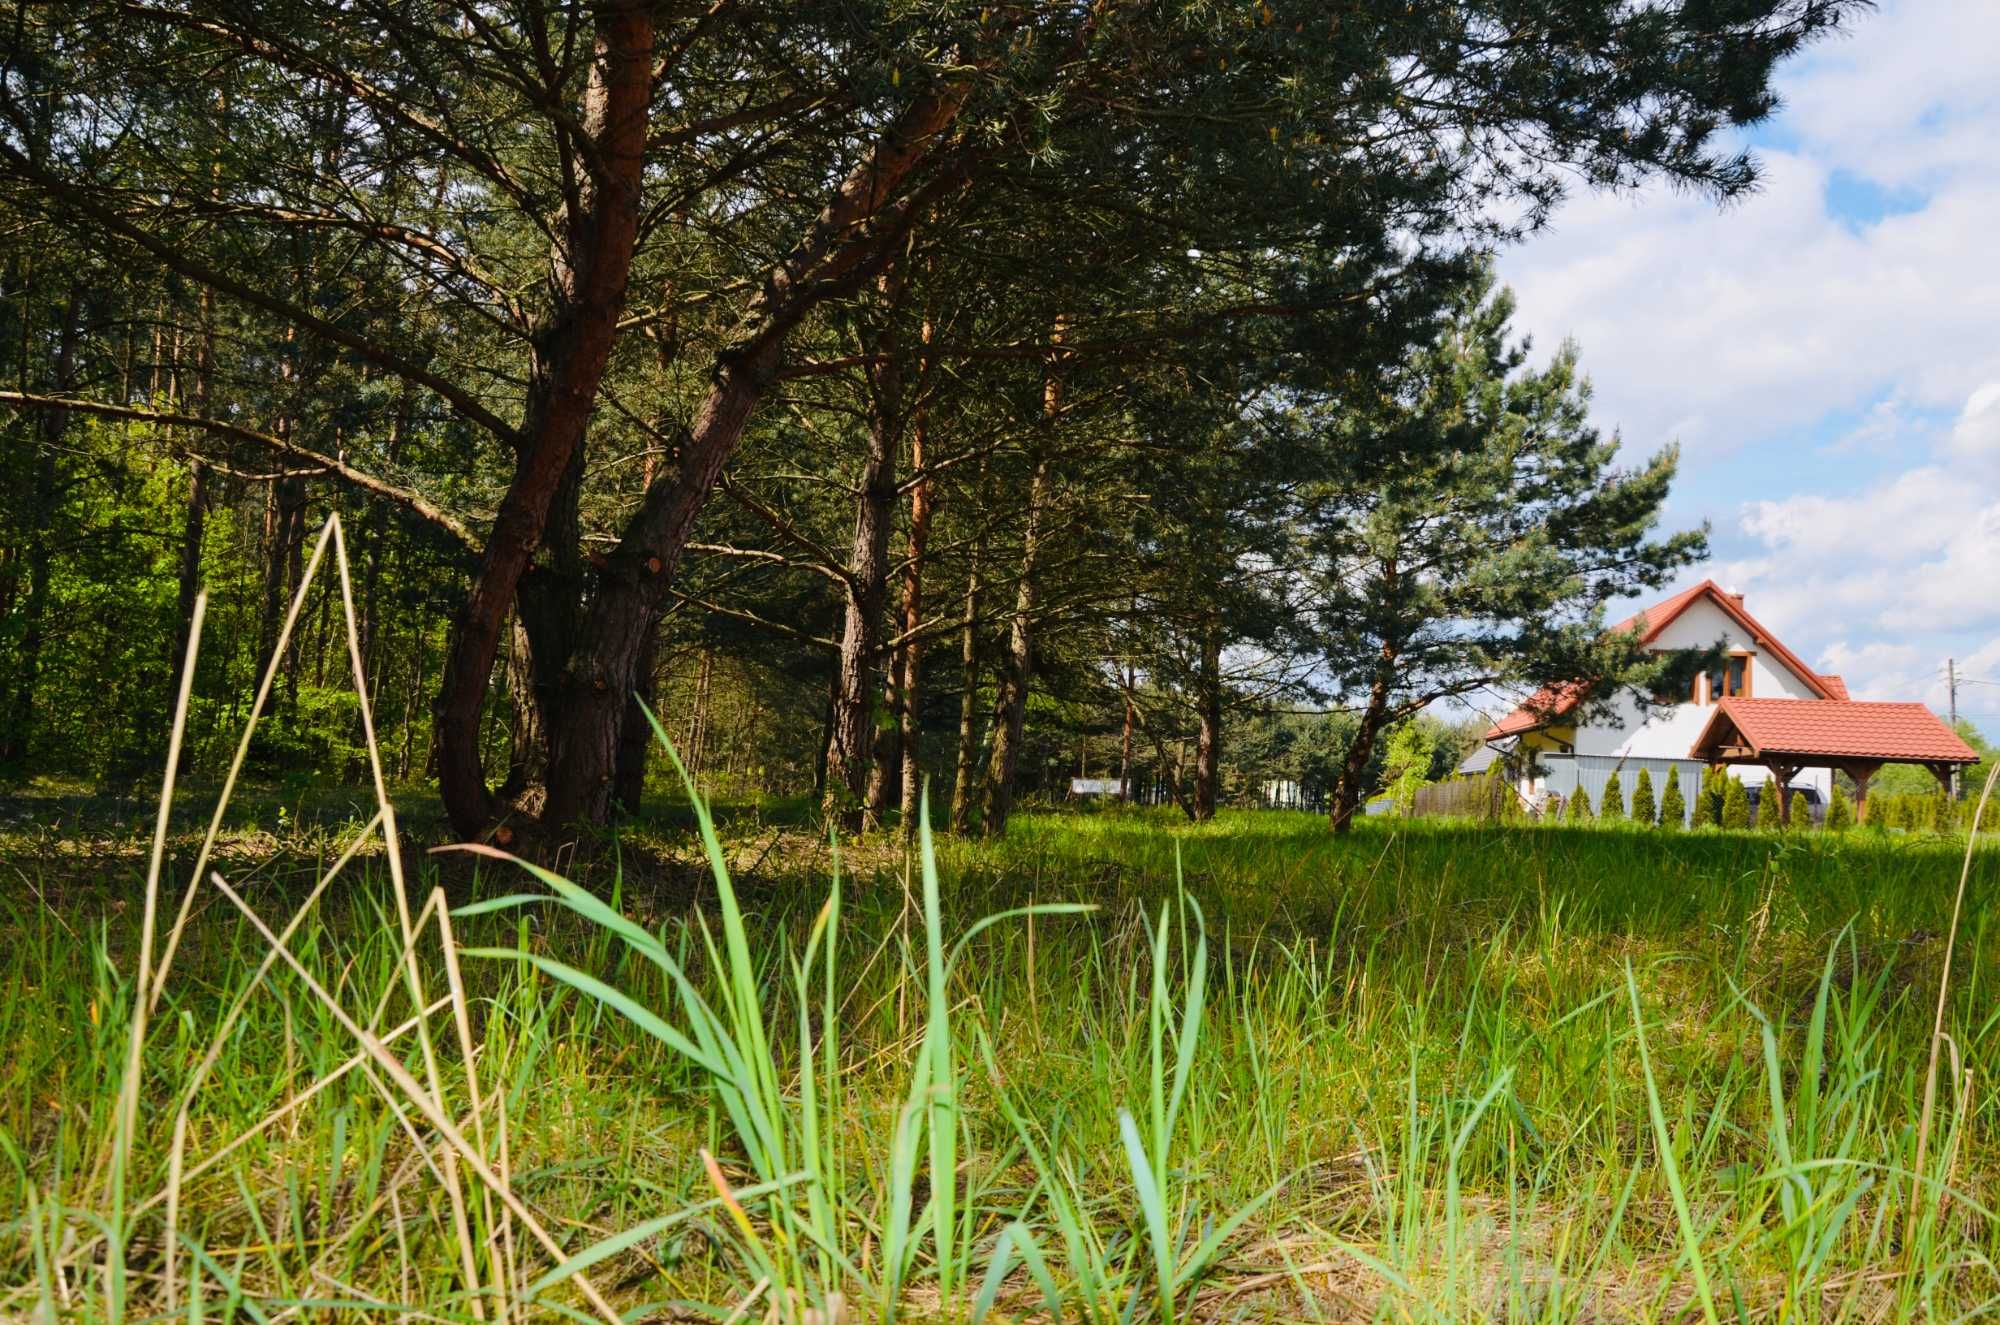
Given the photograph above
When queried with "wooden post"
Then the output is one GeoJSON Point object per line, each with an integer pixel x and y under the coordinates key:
{"type": "Point", "coordinates": [1781, 775]}
{"type": "Point", "coordinates": [1862, 771]}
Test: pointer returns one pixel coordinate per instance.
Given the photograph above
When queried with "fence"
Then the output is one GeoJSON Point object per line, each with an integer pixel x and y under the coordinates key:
{"type": "Point", "coordinates": [1561, 775]}
{"type": "Point", "coordinates": [1480, 796]}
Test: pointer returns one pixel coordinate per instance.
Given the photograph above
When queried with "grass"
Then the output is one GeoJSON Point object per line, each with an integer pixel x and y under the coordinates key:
{"type": "Point", "coordinates": [1108, 1068]}
{"type": "Point", "coordinates": [1412, 1062]}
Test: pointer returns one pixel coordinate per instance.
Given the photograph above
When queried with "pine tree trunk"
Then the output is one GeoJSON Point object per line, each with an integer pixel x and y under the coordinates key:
{"type": "Point", "coordinates": [194, 521]}
{"type": "Point", "coordinates": [1208, 743]}
{"type": "Point", "coordinates": [849, 796]}
{"type": "Point", "coordinates": [909, 658]}
{"type": "Point", "coordinates": [1347, 788]}
{"type": "Point", "coordinates": [635, 739]}
{"type": "Point", "coordinates": [1010, 703]}
{"type": "Point", "coordinates": [1125, 751]}
{"type": "Point", "coordinates": [968, 695]}
{"type": "Point", "coordinates": [571, 348]}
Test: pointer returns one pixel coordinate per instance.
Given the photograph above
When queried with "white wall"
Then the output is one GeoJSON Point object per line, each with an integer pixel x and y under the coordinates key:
{"type": "Point", "coordinates": [1670, 732]}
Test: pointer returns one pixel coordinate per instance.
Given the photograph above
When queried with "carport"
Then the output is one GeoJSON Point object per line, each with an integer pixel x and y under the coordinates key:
{"type": "Point", "coordinates": [1854, 737]}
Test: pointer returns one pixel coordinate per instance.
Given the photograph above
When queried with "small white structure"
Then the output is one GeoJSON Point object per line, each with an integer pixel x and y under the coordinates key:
{"type": "Point", "coordinates": [1551, 753]}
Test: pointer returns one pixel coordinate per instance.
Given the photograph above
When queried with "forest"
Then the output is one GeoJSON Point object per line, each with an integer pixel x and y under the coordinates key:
{"type": "Point", "coordinates": [882, 393]}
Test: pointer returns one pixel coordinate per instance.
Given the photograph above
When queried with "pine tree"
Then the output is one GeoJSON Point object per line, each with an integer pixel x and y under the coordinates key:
{"type": "Point", "coordinates": [1839, 812]}
{"type": "Point", "coordinates": [1613, 808]}
{"type": "Point", "coordinates": [1735, 806]}
{"type": "Point", "coordinates": [1643, 811]}
{"type": "Point", "coordinates": [1801, 812]}
{"type": "Point", "coordinates": [1579, 807]}
{"type": "Point", "coordinates": [1673, 808]}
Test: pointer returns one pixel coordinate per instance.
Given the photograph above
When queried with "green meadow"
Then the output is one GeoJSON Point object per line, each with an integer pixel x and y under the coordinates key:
{"type": "Point", "coordinates": [1110, 1067]}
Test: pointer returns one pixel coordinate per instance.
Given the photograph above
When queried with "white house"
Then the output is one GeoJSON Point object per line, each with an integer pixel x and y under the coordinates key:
{"type": "Point", "coordinates": [1550, 752]}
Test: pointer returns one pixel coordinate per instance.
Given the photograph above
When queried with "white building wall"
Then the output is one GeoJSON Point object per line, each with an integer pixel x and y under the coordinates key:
{"type": "Point", "coordinates": [1670, 732]}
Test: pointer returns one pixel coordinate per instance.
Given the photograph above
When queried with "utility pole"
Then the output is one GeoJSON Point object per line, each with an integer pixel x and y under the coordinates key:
{"type": "Point", "coordinates": [1951, 689]}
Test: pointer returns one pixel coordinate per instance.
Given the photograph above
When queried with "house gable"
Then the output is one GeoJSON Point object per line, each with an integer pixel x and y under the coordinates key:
{"type": "Point", "coordinates": [1695, 618]}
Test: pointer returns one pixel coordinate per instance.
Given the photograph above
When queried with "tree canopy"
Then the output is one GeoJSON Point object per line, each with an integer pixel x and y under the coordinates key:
{"type": "Point", "coordinates": [892, 369]}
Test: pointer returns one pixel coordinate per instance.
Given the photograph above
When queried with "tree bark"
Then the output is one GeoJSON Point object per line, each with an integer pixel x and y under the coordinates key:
{"type": "Point", "coordinates": [849, 797]}
{"type": "Point", "coordinates": [1208, 742]}
{"type": "Point", "coordinates": [1347, 789]}
{"type": "Point", "coordinates": [968, 701]}
{"type": "Point", "coordinates": [195, 520]}
{"type": "Point", "coordinates": [1010, 701]}
{"type": "Point", "coordinates": [853, 239]}
{"type": "Point", "coordinates": [1125, 750]}
{"type": "Point", "coordinates": [635, 737]}
{"type": "Point", "coordinates": [571, 348]}
{"type": "Point", "coordinates": [909, 658]}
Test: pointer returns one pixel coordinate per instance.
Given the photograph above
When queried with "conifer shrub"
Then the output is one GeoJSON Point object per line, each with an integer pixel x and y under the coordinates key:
{"type": "Point", "coordinates": [1735, 806]}
{"type": "Point", "coordinates": [1673, 808]}
{"type": "Point", "coordinates": [1771, 808]}
{"type": "Point", "coordinates": [1713, 785]}
{"type": "Point", "coordinates": [1613, 808]}
{"type": "Point", "coordinates": [1579, 807]}
{"type": "Point", "coordinates": [1839, 812]}
{"type": "Point", "coordinates": [1801, 812]}
{"type": "Point", "coordinates": [1643, 811]}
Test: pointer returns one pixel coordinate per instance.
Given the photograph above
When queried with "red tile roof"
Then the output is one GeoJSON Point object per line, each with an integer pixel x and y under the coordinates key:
{"type": "Point", "coordinates": [1835, 729]}
{"type": "Point", "coordinates": [1544, 704]}
{"type": "Point", "coordinates": [1553, 701]}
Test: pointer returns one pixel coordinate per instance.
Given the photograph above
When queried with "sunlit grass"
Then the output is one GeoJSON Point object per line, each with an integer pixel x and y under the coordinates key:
{"type": "Point", "coordinates": [1111, 1068]}
{"type": "Point", "coordinates": [1421, 1037]}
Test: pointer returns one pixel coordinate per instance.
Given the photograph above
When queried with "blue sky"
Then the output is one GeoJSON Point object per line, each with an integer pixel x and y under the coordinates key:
{"type": "Point", "coordinates": [1825, 352]}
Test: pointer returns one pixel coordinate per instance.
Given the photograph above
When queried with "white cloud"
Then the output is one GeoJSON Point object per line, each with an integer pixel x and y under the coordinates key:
{"type": "Point", "coordinates": [1724, 326]}
{"type": "Point", "coordinates": [1919, 512]}
{"type": "Point", "coordinates": [1977, 431]}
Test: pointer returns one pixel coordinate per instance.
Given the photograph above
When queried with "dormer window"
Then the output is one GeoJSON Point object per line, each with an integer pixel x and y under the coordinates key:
{"type": "Point", "coordinates": [1731, 680]}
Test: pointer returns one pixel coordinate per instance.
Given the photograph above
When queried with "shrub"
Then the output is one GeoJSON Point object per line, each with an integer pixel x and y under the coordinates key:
{"type": "Point", "coordinates": [1713, 785]}
{"type": "Point", "coordinates": [1642, 800]}
{"type": "Point", "coordinates": [1579, 807]}
{"type": "Point", "coordinates": [1704, 805]}
{"type": "Point", "coordinates": [1735, 806]}
{"type": "Point", "coordinates": [1771, 807]}
{"type": "Point", "coordinates": [1613, 808]}
{"type": "Point", "coordinates": [1673, 808]}
{"type": "Point", "coordinates": [1801, 812]}
{"type": "Point", "coordinates": [1839, 812]}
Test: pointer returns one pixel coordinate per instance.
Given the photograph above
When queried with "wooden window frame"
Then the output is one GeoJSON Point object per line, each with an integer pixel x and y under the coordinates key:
{"type": "Point", "coordinates": [1704, 681]}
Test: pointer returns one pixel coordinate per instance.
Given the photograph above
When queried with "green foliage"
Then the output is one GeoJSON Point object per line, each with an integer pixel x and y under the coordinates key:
{"type": "Point", "coordinates": [1407, 764]}
{"type": "Point", "coordinates": [1613, 808]}
{"type": "Point", "coordinates": [1673, 806]}
{"type": "Point", "coordinates": [1579, 807]}
{"type": "Point", "coordinates": [1801, 811]}
{"type": "Point", "coordinates": [1735, 805]}
{"type": "Point", "coordinates": [1839, 811]}
{"type": "Point", "coordinates": [1643, 810]}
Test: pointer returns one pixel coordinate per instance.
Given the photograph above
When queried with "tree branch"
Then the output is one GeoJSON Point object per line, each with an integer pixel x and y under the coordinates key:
{"type": "Point", "coordinates": [340, 469]}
